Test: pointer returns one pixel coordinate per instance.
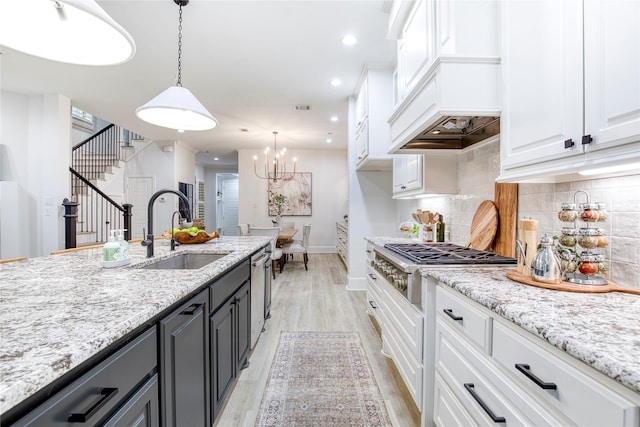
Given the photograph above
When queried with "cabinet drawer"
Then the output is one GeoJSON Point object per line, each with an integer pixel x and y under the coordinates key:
{"type": "Point", "coordinates": [464, 317]}
{"type": "Point", "coordinates": [100, 391]}
{"type": "Point", "coordinates": [480, 387]}
{"type": "Point", "coordinates": [406, 318]}
{"type": "Point", "coordinates": [374, 296]}
{"type": "Point", "coordinates": [226, 286]}
{"type": "Point", "coordinates": [411, 369]}
{"type": "Point", "coordinates": [447, 410]}
{"type": "Point", "coordinates": [581, 398]}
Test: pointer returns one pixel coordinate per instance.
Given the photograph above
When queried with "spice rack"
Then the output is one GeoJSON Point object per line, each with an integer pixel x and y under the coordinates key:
{"type": "Point", "coordinates": [581, 246]}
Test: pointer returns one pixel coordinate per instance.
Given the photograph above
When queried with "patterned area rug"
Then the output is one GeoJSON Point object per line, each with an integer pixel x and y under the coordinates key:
{"type": "Point", "coordinates": [321, 379]}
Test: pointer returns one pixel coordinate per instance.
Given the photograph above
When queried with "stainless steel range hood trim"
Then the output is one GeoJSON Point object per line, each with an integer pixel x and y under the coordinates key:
{"type": "Point", "coordinates": [421, 141]}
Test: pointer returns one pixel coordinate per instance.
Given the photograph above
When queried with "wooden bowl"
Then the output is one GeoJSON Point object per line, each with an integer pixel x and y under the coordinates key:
{"type": "Point", "coordinates": [186, 238]}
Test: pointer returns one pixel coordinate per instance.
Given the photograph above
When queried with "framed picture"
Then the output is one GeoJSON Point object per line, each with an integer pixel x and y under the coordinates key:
{"type": "Point", "coordinates": [297, 191]}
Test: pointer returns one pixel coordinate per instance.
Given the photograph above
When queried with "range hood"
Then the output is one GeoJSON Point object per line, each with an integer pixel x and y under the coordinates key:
{"type": "Point", "coordinates": [455, 132]}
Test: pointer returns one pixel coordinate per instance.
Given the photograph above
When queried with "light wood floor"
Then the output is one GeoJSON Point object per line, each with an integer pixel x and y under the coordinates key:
{"type": "Point", "coordinates": [315, 300]}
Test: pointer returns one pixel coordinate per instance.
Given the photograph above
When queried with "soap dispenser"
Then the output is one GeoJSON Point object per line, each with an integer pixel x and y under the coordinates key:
{"type": "Point", "coordinates": [111, 248]}
{"type": "Point", "coordinates": [124, 245]}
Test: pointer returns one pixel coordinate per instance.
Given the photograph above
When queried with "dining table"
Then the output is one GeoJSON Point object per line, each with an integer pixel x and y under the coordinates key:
{"type": "Point", "coordinates": [285, 236]}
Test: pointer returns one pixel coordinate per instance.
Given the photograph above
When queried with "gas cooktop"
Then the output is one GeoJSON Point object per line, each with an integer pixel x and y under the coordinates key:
{"type": "Point", "coordinates": [446, 253]}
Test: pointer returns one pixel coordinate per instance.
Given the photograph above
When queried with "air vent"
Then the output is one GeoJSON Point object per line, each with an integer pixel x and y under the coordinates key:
{"type": "Point", "coordinates": [302, 107]}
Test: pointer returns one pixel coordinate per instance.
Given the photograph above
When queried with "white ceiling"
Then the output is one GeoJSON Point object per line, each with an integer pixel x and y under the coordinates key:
{"type": "Point", "coordinates": [248, 62]}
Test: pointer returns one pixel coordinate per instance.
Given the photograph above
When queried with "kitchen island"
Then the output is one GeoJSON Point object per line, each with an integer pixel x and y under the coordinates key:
{"type": "Point", "coordinates": [63, 310]}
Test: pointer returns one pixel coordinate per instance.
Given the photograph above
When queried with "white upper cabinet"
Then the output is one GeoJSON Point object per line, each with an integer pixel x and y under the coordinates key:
{"type": "Point", "coordinates": [372, 108]}
{"type": "Point", "coordinates": [570, 102]}
{"type": "Point", "coordinates": [612, 73]}
{"type": "Point", "coordinates": [416, 175]}
{"type": "Point", "coordinates": [448, 63]}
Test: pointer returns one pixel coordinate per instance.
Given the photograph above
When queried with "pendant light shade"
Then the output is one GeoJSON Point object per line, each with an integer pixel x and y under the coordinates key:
{"type": "Point", "coordinates": [71, 31]}
{"type": "Point", "coordinates": [177, 108]}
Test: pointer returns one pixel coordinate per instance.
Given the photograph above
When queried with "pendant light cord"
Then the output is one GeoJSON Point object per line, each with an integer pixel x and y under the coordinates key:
{"type": "Point", "coordinates": [179, 82]}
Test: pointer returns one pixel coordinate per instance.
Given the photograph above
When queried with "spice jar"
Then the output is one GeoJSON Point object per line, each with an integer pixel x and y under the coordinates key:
{"type": "Point", "coordinates": [603, 241]}
{"type": "Point", "coordinates": [589, 212]}
{"type": "Point", "coordinates": [588, 237]}
{"type": "Point", "coordinates": [568, 212]}
{"type": "Point", "coordinates": [602, 212]}
{"type": "Point", "coordinates": [568, 237]}
{"type": "Point", "coordinates": [590, 263]}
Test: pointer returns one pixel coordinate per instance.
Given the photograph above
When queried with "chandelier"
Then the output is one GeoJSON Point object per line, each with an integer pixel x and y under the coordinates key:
{"type": "Point", "coordinates": [274, 168]}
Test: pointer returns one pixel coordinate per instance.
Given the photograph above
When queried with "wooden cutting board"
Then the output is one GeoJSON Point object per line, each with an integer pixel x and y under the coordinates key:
{"type": "Point", "coordinates": [506, 200]}
{"type": "Point", "coordinates": [570, 287]}
{"type": "Point", "coordinates": [483, 226]}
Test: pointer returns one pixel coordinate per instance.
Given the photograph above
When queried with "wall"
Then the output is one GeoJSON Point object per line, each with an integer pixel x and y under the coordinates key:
{"type": "Point", "coordinates": [329, 194]}
{"type": "Point", "coordinates": [479, 166]}
{"type": "Point", "coordinates": [35, 137]}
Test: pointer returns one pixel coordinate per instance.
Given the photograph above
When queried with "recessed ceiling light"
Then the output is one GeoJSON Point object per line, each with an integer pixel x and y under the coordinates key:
{"type": "Point", "coordinates": [336, 82]}
{"type": "Point", "coordinates": [329, 141]}
{"type": "Point", "coordinates": [334, 119]}
{"type": "Point", "coordinates": [216, 158]}
{"type": "Point", "coordinates": [349, 40]}
{"type": "Point", "coordinates": [180, 130]}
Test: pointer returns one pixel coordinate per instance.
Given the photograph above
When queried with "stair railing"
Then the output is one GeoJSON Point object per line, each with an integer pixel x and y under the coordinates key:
{"type": "Point", "coordinates": [90, 160]}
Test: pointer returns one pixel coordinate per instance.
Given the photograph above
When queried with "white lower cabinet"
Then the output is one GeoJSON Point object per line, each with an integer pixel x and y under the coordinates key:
{"type": "Point", "coordinates": [402, 328]}
{"type": "Point", "coordinates": [487, 371]}
{"type": "Point", "coordinates": [558, 384]}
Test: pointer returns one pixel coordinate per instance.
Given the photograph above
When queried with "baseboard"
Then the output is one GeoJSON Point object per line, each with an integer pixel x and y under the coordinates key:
{"type": "Point", "coordinates": [357, 284]}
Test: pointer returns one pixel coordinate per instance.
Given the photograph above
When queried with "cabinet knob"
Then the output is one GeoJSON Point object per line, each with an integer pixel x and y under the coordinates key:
{"type": "Point", "coordinates": [568, 143]}
{"type": "Point", "coordinates": [586, 139]}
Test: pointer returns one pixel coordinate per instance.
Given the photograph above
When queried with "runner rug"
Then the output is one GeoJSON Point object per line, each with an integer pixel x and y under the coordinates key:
{"type": "Point", "coordinates": [321, 379]}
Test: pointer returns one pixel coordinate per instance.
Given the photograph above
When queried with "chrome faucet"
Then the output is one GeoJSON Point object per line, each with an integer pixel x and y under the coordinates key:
{"type": "Point", "coordinates": [148, 242]}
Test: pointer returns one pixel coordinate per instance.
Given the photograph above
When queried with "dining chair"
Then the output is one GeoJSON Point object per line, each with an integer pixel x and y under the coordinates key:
{"type": "Point", "coordinates": [299, 246]}
{"type": "Point", "coordinates": [243, 229]}
{"type": "Point", "coordinates": [288, 224]}
{"type": "Point", "coordinates": [276, 253]}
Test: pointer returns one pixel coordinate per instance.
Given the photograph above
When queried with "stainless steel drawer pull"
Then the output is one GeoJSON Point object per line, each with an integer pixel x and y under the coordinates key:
{"type": "Point", "coordinates": [472, 392]}
{"type": "Point", "coordinates": [373, 277]}
{"type": "Point", "coordinates": [372, 304]}
{"type": "Point", "coordinates": [449, 312]}
{"type": "Point", "coordinates": [525, 369]}
{"type": "Point", "coordinates": [82, 417]}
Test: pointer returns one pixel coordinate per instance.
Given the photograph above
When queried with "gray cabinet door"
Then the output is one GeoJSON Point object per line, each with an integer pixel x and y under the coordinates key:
{"type": "Point", "coordinates": [222, 353]}
{"type": "Point", "coordinates": [141, 409]}
{"type": "Point", "coordinates": [243, 319]}
{"type": "Point", "coordinates": [184, 364]}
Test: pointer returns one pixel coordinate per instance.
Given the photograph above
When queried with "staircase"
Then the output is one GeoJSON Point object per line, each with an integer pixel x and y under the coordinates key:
{"type": "Point", "coordinates": [93, 161]}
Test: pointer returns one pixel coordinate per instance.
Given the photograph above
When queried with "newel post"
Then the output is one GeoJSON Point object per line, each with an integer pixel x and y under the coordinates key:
{"type": "Point", "coordinates": [70, 223]}
{"type": "Point", "coordinates": [128, 213]}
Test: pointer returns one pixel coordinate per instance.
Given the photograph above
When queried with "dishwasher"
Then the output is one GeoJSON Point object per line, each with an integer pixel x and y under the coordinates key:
{"type": "Point", "coordinates": [260, 274]}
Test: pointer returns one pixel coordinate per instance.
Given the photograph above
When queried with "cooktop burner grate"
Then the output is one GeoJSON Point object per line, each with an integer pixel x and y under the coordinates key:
{"type": "Point", "coordinates": [446, 253]}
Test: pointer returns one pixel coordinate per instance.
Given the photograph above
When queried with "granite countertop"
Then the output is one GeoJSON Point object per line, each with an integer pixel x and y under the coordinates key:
{"type": "Point", "coordinates": [58, 311]}
{"type": "Point", "coordinates": [602, 330]}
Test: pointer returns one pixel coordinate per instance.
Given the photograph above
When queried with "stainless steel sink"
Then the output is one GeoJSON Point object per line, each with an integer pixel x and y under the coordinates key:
{"type": "Point", "coordinates": [184, 261]}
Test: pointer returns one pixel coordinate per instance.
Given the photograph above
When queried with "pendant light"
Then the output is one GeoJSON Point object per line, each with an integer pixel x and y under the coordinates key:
{"type": "Point", "coordinates": [71, 31]}
{"type": "Point", "coordinates": [276, 168]}
{"type": "Point", "coordinates": [176, 107]}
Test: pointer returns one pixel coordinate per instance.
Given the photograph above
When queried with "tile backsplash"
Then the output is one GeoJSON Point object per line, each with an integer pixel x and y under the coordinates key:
{"type": "Point", "coordinates": [477, 170]}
